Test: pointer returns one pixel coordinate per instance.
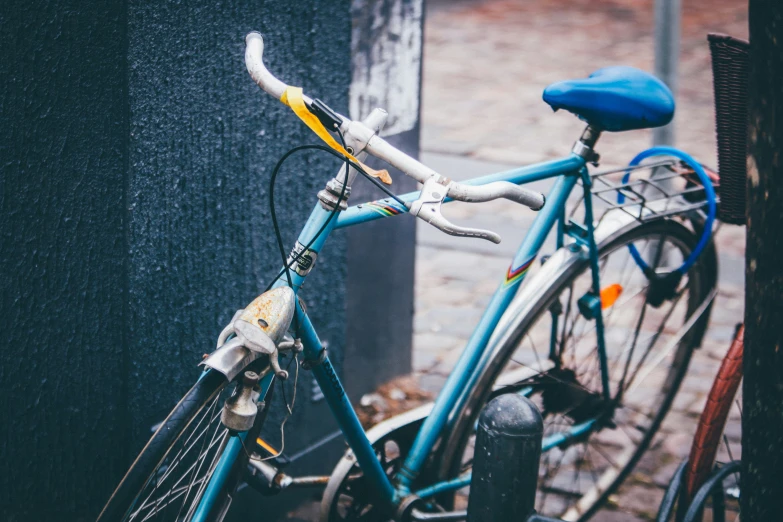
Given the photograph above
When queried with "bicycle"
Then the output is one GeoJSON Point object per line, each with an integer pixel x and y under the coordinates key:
{"type": "Point", "coordinates": [606, 376]}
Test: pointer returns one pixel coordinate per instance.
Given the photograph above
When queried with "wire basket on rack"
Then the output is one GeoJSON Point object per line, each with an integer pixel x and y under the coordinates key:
{"type": "Point", "coordinates": [730, 79]}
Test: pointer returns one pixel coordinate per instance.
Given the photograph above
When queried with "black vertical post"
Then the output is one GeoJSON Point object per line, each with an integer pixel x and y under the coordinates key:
{"type": "Point", "coordinates": [505, 464]}
{"type": "Point", "coordinates": [762, 387]}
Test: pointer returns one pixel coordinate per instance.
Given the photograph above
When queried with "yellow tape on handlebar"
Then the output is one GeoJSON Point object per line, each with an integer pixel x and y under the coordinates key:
{"type": "Point", "coordinates": [292, 97]}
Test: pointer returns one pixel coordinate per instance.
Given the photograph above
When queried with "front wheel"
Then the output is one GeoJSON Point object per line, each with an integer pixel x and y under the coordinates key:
{"type": "Point", "coordinates": [168, 478]}
{"type": "Point", "coordinates": [553, 359]}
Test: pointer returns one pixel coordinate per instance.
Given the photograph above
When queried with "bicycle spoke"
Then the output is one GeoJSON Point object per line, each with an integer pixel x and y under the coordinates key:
{"type": "Point", "coordinates": [653, 266]}
{"type": "Point", "coordinates": [209, 474]}
{"type": "Point", "coordinates": [567, 314]}
{"type": "Point", "coordinates": [656, 336]}
{"type": "Point", "coordinates": [634, 410]}
{"type": "Point", "coordinates": [184, 451]}
{"type": "Point", "coordinates": [578, 468]}
{"type": "Point", "coordinates": [195, 472]}
{"type": "Point", "coordinates": [630, 437]}
{"type": "Point", "coordinates": [535, 350]}
{"type": "Point", "coordinates": [199, 459]}
{"type": "Point", "coordinates": [554, 472]}
{"type": "Point", "coordinates": [593, 474]}
{"type": "Point", "coordinates": [207, 478]}
{"type": "Point", "coordinates": [575, 319]}
{"type": "Point", "coordinates": [174, 496]}
{"type": "Point", "coordinates": [608, 459]}
{"type": "Point", "coordinates": [188, 445]}
{"type": "Point", "coordinates": [544, 374]}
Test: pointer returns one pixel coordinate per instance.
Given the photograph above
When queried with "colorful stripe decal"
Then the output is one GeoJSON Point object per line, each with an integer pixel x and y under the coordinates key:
{"type": "Point", "coordinates": [515, 275]}
{"type": "Point", "coordinates": [384, 208]}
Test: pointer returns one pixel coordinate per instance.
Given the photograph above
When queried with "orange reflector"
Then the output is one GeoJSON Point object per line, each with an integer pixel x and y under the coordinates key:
{"type": "Point", "coordinates": [610, 294]}
{"type": "Point", "coordinates": [272, 451]}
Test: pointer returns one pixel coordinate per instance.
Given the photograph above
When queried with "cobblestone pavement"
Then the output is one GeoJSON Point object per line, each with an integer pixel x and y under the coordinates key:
{"type": "Point", "coordinates": [486, 63]}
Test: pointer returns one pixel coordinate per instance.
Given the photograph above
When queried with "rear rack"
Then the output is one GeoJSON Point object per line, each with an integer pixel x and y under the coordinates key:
{"type": "Point", "coordinates": [650, 191]}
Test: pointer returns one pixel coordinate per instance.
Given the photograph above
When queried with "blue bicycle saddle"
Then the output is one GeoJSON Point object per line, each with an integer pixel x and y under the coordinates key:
{"type": "Point", "coordinates": [615, 99]}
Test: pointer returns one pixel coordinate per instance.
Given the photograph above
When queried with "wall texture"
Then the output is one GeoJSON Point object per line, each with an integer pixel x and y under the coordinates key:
{"type": "Point", "coordinates": [64, 150]}
{"type": "Point", "coordinates": [135, 154]}
{"type": "Point", "coordinates": [203, 140]}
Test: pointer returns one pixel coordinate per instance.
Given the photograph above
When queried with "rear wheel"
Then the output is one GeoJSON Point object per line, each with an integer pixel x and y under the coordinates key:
{"type": "Point", "coordinates": [554, 361]}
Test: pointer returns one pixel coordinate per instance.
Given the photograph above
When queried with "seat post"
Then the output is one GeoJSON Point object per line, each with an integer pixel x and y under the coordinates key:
{"type": "Point", "coordinates": [584, 146]}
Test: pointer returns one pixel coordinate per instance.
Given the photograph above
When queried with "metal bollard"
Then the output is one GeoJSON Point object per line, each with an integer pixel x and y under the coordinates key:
{"type": "Point", "coordinates": [505, 462]}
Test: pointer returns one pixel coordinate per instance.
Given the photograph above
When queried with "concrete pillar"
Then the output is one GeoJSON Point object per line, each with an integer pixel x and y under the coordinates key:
{"type": "Point", "coordinates": [386, 48]}
{"type": "Point", "coordinates": [667, 56]}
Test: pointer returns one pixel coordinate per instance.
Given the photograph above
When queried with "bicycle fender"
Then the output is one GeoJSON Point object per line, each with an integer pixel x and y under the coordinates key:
{"type": "Point", "coordinates": [613, 224]}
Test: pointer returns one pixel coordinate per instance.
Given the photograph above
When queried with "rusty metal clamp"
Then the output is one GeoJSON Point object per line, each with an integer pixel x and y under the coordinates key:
{"type": "Point", "coordinates": [258, 329]}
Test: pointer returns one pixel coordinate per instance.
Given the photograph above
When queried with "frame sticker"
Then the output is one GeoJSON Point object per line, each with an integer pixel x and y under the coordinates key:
{"type": "Point", "coordinates": [385, 208]}
{"type": "Point", "coordinates": [515, 276]}
{"type": "Point", "coordinates": [306, 259]}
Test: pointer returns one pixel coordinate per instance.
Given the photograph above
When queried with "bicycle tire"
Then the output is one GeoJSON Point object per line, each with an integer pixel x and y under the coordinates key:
{"type": "Point", "coordinates": [702, 276]}
{"type": "Point", "coordinates": [205, 392]}
{"type": "Point", "coordinates": [712, 421]}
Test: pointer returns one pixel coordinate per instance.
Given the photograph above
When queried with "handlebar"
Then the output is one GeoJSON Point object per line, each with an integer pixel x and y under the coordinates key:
{"type": "Point", "coordinates": [496, 190]}
{"type": "Point", "coordinates": [361, 137]}
{"type": "Point", "coordinates": [254, 61]}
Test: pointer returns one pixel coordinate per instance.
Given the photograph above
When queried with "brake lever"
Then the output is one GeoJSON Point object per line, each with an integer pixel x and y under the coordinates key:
{"type": "Point", "coordinates": [427, 207]}
{"type": "Point", "coordinates": [437, 188]}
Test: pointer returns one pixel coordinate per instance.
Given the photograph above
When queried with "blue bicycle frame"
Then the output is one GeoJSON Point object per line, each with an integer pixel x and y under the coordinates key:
{"type": "Point", "coordinates": [566, 171]}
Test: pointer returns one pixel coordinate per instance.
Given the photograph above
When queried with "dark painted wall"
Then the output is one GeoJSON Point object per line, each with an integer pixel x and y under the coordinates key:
{"type": "Point", "coordinates": [135, 154]}
{"type": "Point", "coordinates": [63, 166]}
{"type": "Point", "coordinates": [201, 244]}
